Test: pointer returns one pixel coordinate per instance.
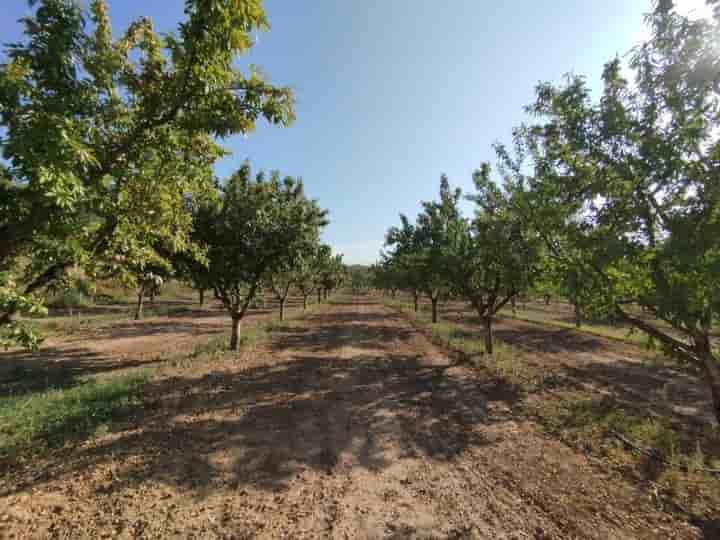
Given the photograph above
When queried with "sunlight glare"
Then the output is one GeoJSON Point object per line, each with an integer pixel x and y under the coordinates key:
{"type": "Point", "coordinates": [693, 8]}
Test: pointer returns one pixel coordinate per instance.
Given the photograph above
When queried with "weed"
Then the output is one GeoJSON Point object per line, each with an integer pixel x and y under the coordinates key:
{"type": "Point", "coordinates": [49, 419]}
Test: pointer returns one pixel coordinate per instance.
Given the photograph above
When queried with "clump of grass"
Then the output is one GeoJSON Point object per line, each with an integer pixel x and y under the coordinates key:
{"type": "Point", "coordinates": [214, 346]}
{"type": "Point", "coordinates": [599, 419]}
{"type": "Point", "coordinates": [49, 419]}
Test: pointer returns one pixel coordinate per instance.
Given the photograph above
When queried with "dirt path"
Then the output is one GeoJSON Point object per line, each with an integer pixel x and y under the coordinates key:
{"type": "Point", "coordinates": [349, 425]}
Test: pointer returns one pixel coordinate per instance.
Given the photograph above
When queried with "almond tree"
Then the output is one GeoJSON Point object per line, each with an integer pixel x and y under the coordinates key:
{"type": "Point", "coordinates": [308, 269]}
{"type": "Point", "coordinates": [251, 231]}
{"type": "Point", "coordinates": [624, 190]}
{"type": "Point", "coordinates": [104, 137]}
{"type": "Point", "coordinates": [429, 241]}
{"type": "Point", "coordinates": [405, 262]}
{"type": "Point", "coordinates": [495, 256]}
{"type": "Point", "coordinates": [332, 274]}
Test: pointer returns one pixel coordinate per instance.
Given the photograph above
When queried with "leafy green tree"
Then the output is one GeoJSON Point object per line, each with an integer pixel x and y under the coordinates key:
{"type": "Point", "coordinates": [332, 274]}
{"type": "Point", "coordinates": [280, 281]}
{"type": "Point", "coordinates": [429, 240]}
{"type": "Point", "coordinates": [624, 190]}
{"type": "Point", "coordinates": [387, 276]}
{"type": "Point", "coordinates": [14, 301]}
{"type": "Point", "coordinates": [103, 138]}
{"type": "Point", "coordinates": [287, 272]}
{"type": "Point", "coordinates": [256, 226]}
{"type": "Point", "coordinates": [308, 270]}
{"type": "Point", "coordinates": [148, 281]}
{"type": "Point", "coordinates": [495, 256]}
{"type": "Point", "coordinates": [406, 263]}
{"type": "Point", "coordinates": [359, 278]}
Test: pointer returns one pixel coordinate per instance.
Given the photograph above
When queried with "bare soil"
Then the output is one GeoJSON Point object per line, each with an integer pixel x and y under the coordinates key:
{"type": "Point", "coordinates": [118, 344]}
{"type": "Point", "coordinates": [349, 425]}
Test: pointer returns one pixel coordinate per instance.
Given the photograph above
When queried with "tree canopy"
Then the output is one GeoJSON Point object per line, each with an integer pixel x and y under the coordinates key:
{"type": "Point", "coordinates": [104, 138]}
{"type": "Point", "coordinates": [253, 230]}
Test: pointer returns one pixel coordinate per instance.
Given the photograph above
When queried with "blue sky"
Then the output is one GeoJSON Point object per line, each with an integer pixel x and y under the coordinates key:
{"type": "Point", "coordinates": [392, 93]}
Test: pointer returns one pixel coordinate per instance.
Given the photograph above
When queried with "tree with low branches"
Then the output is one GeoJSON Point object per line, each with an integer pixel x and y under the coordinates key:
{"type": "Point", "coordinates": [624, 190]}
{"type": "Point", "coordinates": [494, 256]}
{"type": "Point", "coordinates": [429, 241]}
{"type": "Point", "coordinates": [103, 136]}
{"type": "Point", "coordinates": [256, 225]}
{"type": "Point", "coordinates": [308, 269]}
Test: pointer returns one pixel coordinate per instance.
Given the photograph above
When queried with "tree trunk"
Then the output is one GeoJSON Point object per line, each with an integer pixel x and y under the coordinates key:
{"type": "Point", "coordinates": [547, 299]}
{"type": "Point", "coordinates": [235, 333]}
{"type": "Point", "coordinates": [578, 314]}
{"type": "Point", "coordinates": [711, 366]}
{"type": "Point", "coordinates": [201, 293]}
{"type": "Point", "coordinates": [488, 335]}
{"type": "Point", "coordinates": [139, 306]}
{"type": "Point", "coordinates": [434, 309]}
{"type": "Point", "coordinates": [415, 302]}
{"type": "Point", "coordinates": [305, 296]}
{"type": "Point", "coordinates": [712, 374]}
{"type": "Point", "coordinates": [513, 303]}
{"type": "Point", "coordinates": [319, 296]}
{"type": "Point", "coordinates": [392, 293]}
{"type": "Point", "coordinates": [326, 293]}
{"type": "Point", "coordinates": [282, 309]}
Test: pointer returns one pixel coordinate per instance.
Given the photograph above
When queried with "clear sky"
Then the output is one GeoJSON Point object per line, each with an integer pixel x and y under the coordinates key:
{"type": "Point", "coordinates": [392, 93]}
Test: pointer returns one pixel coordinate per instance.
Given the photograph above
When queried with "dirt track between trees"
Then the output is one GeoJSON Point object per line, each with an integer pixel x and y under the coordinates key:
{"type": "Point", "coordinates": [350, 424]}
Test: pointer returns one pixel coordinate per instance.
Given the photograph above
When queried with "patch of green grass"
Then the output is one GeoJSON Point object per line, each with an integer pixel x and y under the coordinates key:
{"type": "Point", "coordinates": [506, 361]}
{"type": "Point", "coordinates": [673, 457]}
{"type": "Point", "coordinates": [590, 423]}
{"type": "Point", "coordinates": [618, 334]}
{"type": "Point", "coordinates": [215, 345]}
{"type": "Point", "coordinates": [41, 420]}
{"type": "Point", "coordinates": [49, 419]}
{"type": "Point", "coordinates": [71, 325]}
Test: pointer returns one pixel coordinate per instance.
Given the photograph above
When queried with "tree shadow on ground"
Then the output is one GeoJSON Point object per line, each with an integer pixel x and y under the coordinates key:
{"type": "Point", "coordinates": [75, 356]}
{"type": "Point", "coordinates": [265, 425]}
{"type": "Point", "coordinates": [27, 373]}
{"type": "Point", "coordinates": [662, 389]}
{"type": "Point", "coordinates": [339, 330]}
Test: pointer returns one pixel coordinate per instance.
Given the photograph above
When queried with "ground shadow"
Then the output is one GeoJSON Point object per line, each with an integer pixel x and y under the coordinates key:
{"type": "Point", "coordinates": [343, 329]}
{"type": "Point", "coordinates": [265, 425]}
{"type": "Point", "coordinates": [26, 373]}
{"type": "Point", "coordinates": [658, 388]}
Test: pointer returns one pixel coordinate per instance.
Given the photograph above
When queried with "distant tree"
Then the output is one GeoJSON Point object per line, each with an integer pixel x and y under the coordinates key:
{"type": "Point", "coordinates": [308, 270]}
{"type": "Point", "coordinates": [332, 274]}
{"type": "Point", "coordinates": [359, 278]}
{"type": "Point", "coordinates": [148, 282]}
{"type": "Point", "coordinates": [429, 243]}
{"type": "Point", "coordinates": [387, 276]}
{"type": "Point", "coordinates": [257, 225]}
{"type": "Point", "coordinates": [406, 262]}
